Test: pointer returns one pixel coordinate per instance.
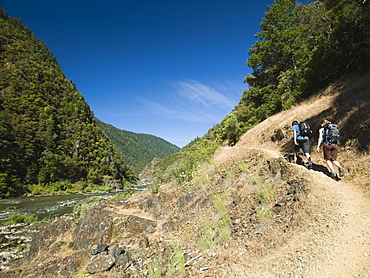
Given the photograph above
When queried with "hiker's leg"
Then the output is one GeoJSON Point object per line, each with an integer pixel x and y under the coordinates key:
{"type": "Point", "coordinates": [340, 168]}
{"type": "Point", "coordinates": [327, 153]}
{"type": "Point", "coordinates": [336, 163]}
{"type": "Point", "coordinates": [330, 165]}
{"type": "Point", "coordinates": [306, 149]}
{"type": "Point", "coordinates": [309, 163]}
{"type": "Point", "coordinates": [334, 155]}
{"type": "Point", "coordinates": [295, 152]}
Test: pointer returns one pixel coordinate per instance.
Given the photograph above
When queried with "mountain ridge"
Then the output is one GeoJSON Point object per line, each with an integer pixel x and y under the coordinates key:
{"type": "Point", "coordinates": [48, 138]}
{"type": "Point", "coordinates": [283, 219]}
{"type": "Point", "coordinates": [139, 149]}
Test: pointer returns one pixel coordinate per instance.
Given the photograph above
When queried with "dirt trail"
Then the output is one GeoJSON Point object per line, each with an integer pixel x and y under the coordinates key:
{"type": "Point", "coordinates": [345, 250]}
{"type": "Point", "coordinates": [336, 245]}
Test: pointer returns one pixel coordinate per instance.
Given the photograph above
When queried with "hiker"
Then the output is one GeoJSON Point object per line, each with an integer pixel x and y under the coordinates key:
{"type": "Point", "coordinates": [330, 148]}
{"type": "Point", "coordinates": [301, 143]}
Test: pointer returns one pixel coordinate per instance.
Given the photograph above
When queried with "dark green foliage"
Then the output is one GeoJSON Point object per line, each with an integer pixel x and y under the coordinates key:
{"type": "Point", "coordinates": [138, 149]}
{"type": "Point", "coordinates": [183, 165]}
{"type": "Point", "coordinates": [229, 129]}
{"type": "Point", "coordinates": [47, 131]}
{"type": "Point", "coordinates": [16, 218]}
{"type": "Point", "coordinates": [301, 48]}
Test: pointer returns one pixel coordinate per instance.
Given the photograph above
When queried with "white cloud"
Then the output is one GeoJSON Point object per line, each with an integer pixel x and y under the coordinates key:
{"type": "Point", "coordinates": [198, 93]}
{"type": "Point", "coordinates": [180, 112]}
{"type": "Point", "coordinates": [194, 101]}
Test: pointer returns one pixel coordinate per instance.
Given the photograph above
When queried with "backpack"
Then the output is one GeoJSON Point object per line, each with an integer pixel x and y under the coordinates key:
{"type": "Point", "coordinates": [331, 133]}
{"type": "Point", "coordinates": [305, 129]}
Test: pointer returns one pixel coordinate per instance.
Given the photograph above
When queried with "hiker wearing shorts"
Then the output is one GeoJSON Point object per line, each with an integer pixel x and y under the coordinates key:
{"type": "Point", "coordinates": [330, 151]}
{"type": "Point", "coordinates": [301, 144]}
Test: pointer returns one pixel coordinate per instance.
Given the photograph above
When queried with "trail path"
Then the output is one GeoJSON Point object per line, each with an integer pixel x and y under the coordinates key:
{"type": "Point", "coordinates": [336, 245]}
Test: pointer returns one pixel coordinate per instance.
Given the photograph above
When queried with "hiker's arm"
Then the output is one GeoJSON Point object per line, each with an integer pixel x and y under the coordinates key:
{"type": "Point", "coordinates": [319, 140]}
{"type": "Point", "coordinates": [295, 137]}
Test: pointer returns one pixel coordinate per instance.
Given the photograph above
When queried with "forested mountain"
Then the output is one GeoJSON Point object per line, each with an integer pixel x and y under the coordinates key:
{"type": "Point", "coordinates": [138, 149]}
{"type": "Point", "coordinates": [47, 131]}
{"type": "Point", "coordinates": [301, 47]}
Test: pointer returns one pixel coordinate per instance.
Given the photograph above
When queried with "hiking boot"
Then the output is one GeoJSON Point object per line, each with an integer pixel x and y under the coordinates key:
{"type": "Point", "coordinates": [341, 171]}
{"type": "Point", "coordinates": [309, 165]}
{"type": "Point", "coordinates": [333, 175]}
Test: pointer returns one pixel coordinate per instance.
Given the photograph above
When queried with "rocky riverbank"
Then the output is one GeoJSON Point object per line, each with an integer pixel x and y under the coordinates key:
{"type": "Point", "coordinates": [15, 240]}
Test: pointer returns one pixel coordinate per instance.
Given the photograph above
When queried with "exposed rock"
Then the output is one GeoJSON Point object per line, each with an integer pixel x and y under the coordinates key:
{"type": "Point", "coordinates": [137, 225]}
{"type": "Point", "coordinates": [278, 167]}
{"type": "Point", "coordinates": [98, 248]}
{"type": "Point", "coordinates": [116, 251]}
{"type": "Point", "coordinates": [68, 266]}
{"type": "Point", "coordinates": [183, 200]}
{"type": "Point", "coordinates": [144, 243]}
{"type": "Point", "coordinates": [278, 135]}
{"type": "Point", "coordinates": [14, 242]}
{"type": "Point", "coordinates": [46, 240]}
{"type": "Point", "coordinates": [100, 263]}
{"type": "Point", "coordinates": [116, 185]}
{"type": "Point", "coordinates": [94, 228]}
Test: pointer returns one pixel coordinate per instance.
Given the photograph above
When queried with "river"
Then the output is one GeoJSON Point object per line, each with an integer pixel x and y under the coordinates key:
{"type": "Point", "coordinates": [44, 206]}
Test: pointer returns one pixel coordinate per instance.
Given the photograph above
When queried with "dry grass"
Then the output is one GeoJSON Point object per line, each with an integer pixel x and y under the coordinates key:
{"type": "Point", "coordinates": [304, 223]}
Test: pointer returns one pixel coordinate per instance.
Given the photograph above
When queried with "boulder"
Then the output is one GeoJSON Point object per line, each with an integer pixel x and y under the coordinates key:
{"type": "Point", "coordinates": [100, 263]}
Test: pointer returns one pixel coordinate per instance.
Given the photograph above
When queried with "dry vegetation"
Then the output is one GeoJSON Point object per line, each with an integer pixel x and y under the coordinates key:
{"type": "Point", "coordinates": [285, 221]}
{"type": "Point", "coordinates": [288, 221]}
{"type": "Point", "coordinates": [251, 213]}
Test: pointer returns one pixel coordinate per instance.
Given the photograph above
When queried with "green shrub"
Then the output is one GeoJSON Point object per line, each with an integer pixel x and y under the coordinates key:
{"type": "Point", "coordinates": [262, 200]}
{"type": "Point", "coordinates": [83, 206]}
{"type": "Point", "coordinates": [155, 268]}
{"type": "Point", "coordinates": [123, 195]}
{"type": "Point", "coordinates": [16, 218]}
{"type": "Point", "coordinates": [177, 262]}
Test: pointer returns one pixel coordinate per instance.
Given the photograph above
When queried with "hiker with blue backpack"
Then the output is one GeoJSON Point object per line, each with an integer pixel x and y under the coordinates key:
{"type": "Point", "coordinates": [329, 138]}
{"type": "Point", "coordinates": [301, 137]}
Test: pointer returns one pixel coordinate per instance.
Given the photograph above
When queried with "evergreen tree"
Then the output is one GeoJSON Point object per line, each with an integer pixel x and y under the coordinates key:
{"type": "Point", "coordinates": [301, 48]}
{"type": "Point", "coordinates": [48, 133]}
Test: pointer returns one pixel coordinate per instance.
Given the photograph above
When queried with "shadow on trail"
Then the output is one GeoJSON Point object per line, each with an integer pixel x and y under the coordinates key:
{"type": "Point", "coordinates": [320, 168]}
{"type": "Point", "coordinates": [323, 169]}
{"type": "Point", "coordinates": [315, 167]}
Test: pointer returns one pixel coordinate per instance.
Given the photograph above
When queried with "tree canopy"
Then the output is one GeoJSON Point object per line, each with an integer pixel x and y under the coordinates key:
{"type": "Point", "coordinates": [138, 149]}
{"type": "Point", "coordinates": [47, 130]}
{"type": "Point", "coordinates": [301, 48]}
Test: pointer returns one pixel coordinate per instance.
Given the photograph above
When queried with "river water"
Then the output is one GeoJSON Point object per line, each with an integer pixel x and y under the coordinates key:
{"type": "Point", "coordinates": [44, 206]}
{"type": "Point", "coordinates": [12, 236]}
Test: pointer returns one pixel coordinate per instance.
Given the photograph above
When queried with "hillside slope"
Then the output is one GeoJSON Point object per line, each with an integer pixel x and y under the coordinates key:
{"type": "Point", "coordinates": [284, 220]}
{"type": "Point", "coordinates": [335, 242]}
{"type": "Point", "coordinates": [138, 149]}
{"type": "Point", "coordinates": [47, 130]}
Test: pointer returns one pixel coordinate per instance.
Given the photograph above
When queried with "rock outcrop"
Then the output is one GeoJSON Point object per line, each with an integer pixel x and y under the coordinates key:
{"type": "Point", "coordinates": [137, 235]}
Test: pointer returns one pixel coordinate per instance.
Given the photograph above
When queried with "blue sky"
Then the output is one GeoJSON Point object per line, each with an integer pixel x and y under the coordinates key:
{"type": "Point", "coordinates": [170, 68]}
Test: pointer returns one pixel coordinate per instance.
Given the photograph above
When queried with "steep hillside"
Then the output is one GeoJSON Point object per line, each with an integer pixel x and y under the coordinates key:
{"type": "Point", "coordinates": [47, 131]}
{"type": "Point", "coordinates": [251, 213]}
{"type": "Point", "coordinates": [138, 149]}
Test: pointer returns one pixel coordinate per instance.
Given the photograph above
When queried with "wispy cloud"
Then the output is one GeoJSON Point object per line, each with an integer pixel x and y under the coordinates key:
{"type": "Point", "coordinates": [194, 101]}
{"type": "Point", "coordinates": [203, 95]}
